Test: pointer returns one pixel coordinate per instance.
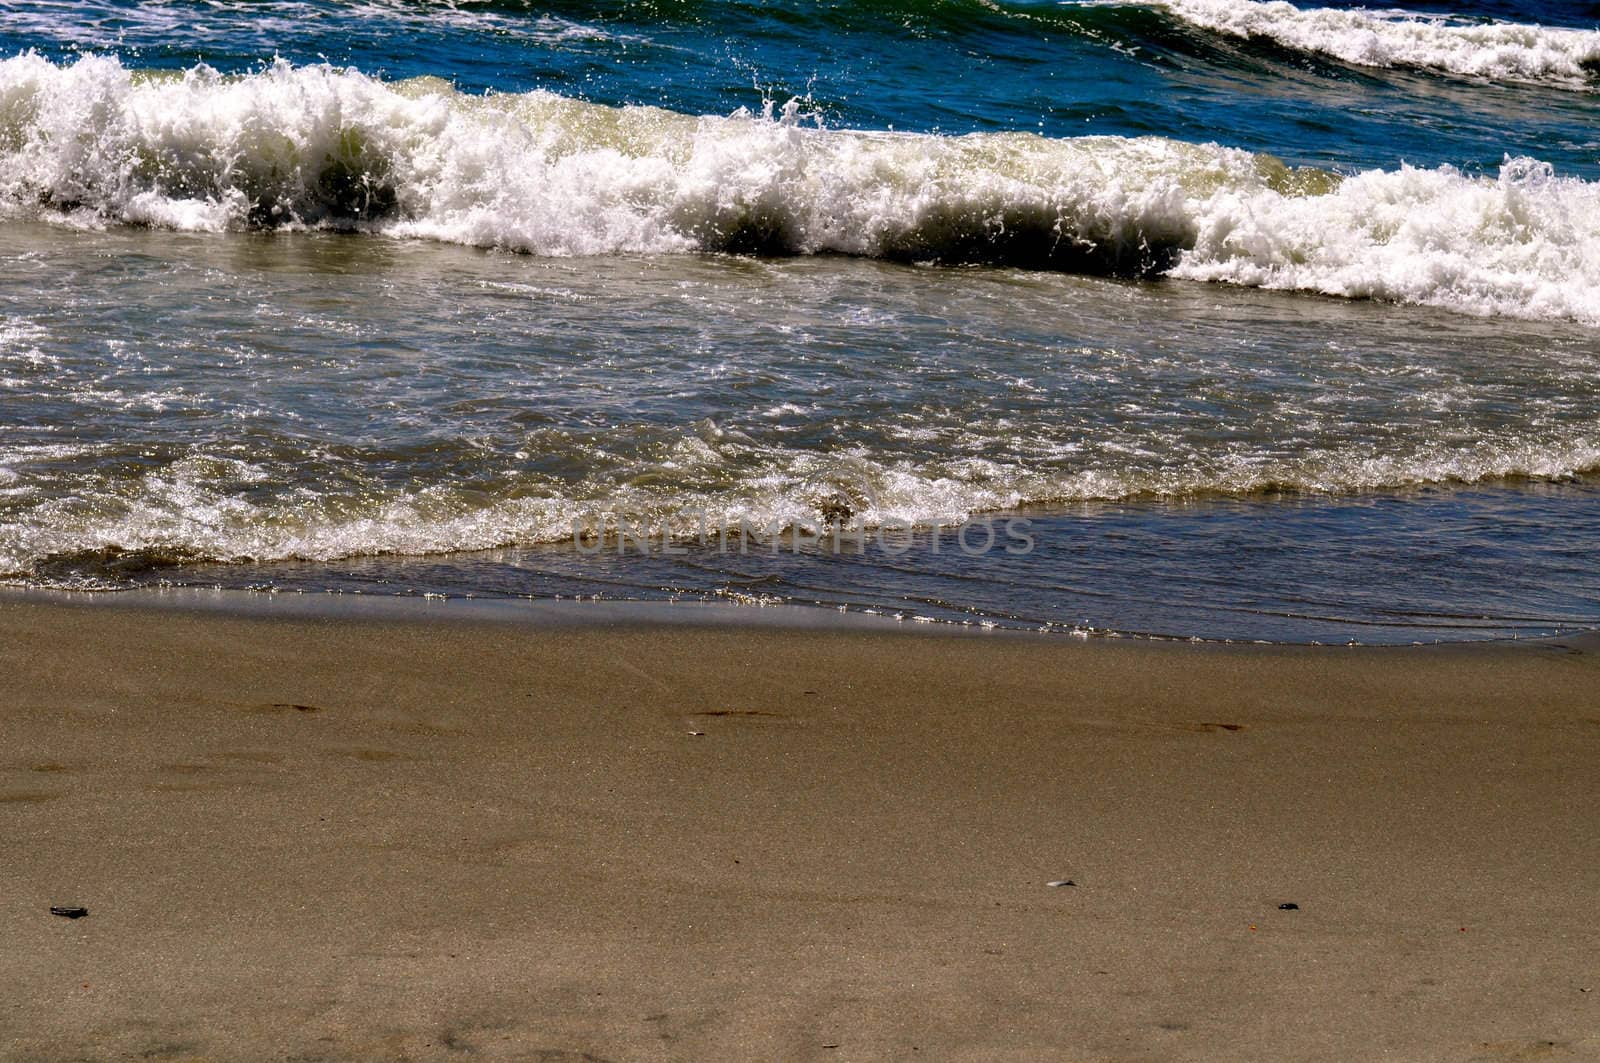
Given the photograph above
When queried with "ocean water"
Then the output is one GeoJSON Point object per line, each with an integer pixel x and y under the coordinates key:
{"type": "Point", "coordinates": [1193, 319]}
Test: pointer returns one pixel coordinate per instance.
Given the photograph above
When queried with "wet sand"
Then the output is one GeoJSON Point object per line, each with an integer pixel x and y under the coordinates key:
{"type": "Point", "coordinates": [341, 838]}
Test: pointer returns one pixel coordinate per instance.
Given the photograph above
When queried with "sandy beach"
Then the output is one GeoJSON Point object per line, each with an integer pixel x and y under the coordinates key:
{"type": "Point", "coordinates": [319, 838]}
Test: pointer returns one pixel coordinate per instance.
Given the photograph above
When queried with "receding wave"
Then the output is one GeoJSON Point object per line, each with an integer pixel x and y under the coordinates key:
{"type": "Point", "coordinates": [197, 510]}
{"type": "Point", "coordinates": [92, 143]}
{"type": "Point", "coordinates": [1508, 51]}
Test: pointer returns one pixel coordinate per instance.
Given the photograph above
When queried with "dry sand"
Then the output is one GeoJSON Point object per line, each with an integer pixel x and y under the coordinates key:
{"type": "Point", "coordinates": [309, 839]}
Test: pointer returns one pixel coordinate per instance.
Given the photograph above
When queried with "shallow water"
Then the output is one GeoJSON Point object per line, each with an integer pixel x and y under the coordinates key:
{"type": "Point", "coordinates": [314, 399]}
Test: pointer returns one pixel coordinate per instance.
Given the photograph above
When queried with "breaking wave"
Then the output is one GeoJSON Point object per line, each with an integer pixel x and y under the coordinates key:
{"type": "Point", "coordinates": [1502, 51]}
{"type": "Point", "coordinates": [92, 143]}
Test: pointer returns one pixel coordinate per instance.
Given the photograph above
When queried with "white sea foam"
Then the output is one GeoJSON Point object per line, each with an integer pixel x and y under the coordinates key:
{"type": "Point", "coordinates": [194, 510]}
{"type": "Point", "coordinates": [1476, 48]}
{"type": "Point", "coordinates": [91, 143]}
{"type": "Point", "coordinates": [1526, 244]}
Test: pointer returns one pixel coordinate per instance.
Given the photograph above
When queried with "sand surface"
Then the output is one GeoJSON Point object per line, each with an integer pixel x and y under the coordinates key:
{"type": "Point", "coordinates": [319, 839]}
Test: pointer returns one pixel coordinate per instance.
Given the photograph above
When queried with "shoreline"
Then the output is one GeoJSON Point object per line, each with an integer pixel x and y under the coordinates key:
{"type": "Point", "coordinates": [343, 839]}
{"type": "Point", "coordinates": [686, 613]}
{"type": "Point", "coordinates": [535, 613]}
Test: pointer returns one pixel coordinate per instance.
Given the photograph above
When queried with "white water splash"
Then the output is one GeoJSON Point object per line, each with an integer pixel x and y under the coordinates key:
{"type": "Point", "coordinates": [91, 143]}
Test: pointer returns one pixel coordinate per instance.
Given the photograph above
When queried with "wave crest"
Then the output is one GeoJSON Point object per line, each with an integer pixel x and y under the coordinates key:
{"type": "Point", "coordinates": [92, 143]}
{"type": "Point", "coordinates": [1506, 51]}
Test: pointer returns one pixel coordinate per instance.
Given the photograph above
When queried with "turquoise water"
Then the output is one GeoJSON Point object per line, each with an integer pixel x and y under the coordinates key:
{"type": "Point", "coordinates": [1258, 321]}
